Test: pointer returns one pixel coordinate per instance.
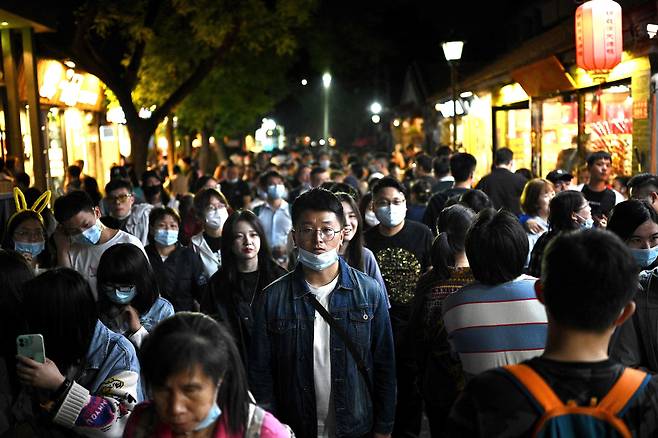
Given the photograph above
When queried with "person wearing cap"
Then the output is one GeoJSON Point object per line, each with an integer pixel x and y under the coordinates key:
{"type": "Point", "coordinates": [561, 179]}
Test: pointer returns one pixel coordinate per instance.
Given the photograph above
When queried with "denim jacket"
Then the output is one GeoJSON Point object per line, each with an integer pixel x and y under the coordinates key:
{"type": "Point", "coordinates": [105, 390]}
{"type": "Point", "coordinates": [281, 355]}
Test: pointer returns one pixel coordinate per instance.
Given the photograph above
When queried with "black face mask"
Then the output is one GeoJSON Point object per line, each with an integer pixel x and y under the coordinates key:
{"type": "Point", "coordinates": [151, 191]}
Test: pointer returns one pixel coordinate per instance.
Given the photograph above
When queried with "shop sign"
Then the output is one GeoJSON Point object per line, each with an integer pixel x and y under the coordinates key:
{"type": "Point", "coordinates": [60, 85]}
{"type": "Point", "coordinates": [640, 109]}
{"type": "Point", "coordinates": [598, 35]}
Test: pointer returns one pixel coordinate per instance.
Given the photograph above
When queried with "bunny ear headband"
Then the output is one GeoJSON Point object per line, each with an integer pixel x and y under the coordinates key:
{"type": "Point", "coordinates": [21, 204]}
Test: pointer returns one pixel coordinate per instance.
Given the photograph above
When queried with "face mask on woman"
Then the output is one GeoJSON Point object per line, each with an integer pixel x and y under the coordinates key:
{"type": "Point", "coordinates": [121, 295]}
{"type": "Point", "coordinates": [589, 223]}
{"type": "Point", "coordinates": [645, 257]}
{"type": "Point", "coordinates": [215, 219]}
{"type": "Point", "coordinates": [166, 237]}
{"type": "Point", "coordinates": [32, 248]}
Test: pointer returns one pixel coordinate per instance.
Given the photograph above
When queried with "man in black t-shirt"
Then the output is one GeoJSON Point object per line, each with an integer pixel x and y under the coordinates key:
{"type": "Point", "coordinates": [236, 190]}
{"type": "Point", "coordinates": [402, 248]}
{"type": "Point", "coordinates": [588, 282]}
{"type": "Point", "coordinates": [601, 198]}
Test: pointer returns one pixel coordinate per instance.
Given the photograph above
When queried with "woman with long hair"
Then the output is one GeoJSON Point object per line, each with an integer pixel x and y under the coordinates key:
{"type": "Point", "coordinates": [568, 211]}
{"type": "Point", "coordinates": [441, 376]}
{"type": "Point", "coordinates": [178, 269]}
{"type": "Point", "coordinates": [247, 267]}
{"type": "Point", "coordinates": [128, 296]}
{"type": "Point", "coordinates": [198, 386]}
{"type": "Point", "coordinates": [89, 381]}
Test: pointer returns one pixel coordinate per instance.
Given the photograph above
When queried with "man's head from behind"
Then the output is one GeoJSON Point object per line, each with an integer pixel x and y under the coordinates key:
{"type": "Point", "coordinates": [503, 157]}
{"type": "Point", "coordinates": [462, 166]}
{"type": "Point", "coordinates": [588, 279]}
{"type": "Point", "coordinates": [496, 247]}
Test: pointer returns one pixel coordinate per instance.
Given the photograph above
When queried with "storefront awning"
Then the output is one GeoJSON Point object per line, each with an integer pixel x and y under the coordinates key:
{"type": "Point", "coordinates": [543, 77]}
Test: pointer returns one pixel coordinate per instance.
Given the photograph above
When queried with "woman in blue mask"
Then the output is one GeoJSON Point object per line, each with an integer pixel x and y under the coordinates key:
{"type": "Point", "coordinates": [26, 235]}
{"type": "Point", "coordinates": [636, 341]}
{"type": "Point", "coordinates": [178, 269]}
{"type": "Point", "coordinates": [568, 211]}
{"type": "Point", "coordinates": [636, 222]}
{"type": "Point", "coordinates": [197, 385]}
{"type": "Point", "coordinates": [128, 296]}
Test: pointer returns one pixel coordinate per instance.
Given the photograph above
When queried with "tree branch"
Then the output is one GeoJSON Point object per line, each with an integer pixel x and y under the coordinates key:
{"type": "Point", "coordinates": [152, 9]}
{"type": "Point", "coordinates": [84, 25]}
{"type": "Point", "coordinates": [203, 69]}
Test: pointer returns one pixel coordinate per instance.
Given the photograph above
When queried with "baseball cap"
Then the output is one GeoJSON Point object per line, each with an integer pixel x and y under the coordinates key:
{"type": "Point", "coordinates": [558, 175]}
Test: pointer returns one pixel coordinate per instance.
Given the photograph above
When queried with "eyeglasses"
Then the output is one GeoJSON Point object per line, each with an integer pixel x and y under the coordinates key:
{"type": "Point", "coordinates": [326, 233]}
{"type": "Point", "coordinates": [119, 198]}
{"type": "Point", "coordinates": [27, 234]}
{"type": "Point", "coordinates": [386, 203]}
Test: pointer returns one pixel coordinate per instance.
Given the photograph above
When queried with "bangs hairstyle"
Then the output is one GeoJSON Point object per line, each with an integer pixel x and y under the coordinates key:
{"type": "Point", "coordinates": [317, 199]}
{"type": "Point", "coordinates": [628, 215]}
{"type": "Point", "coordinates": [354, 253]}
{"type": "Point", "coordinates": [202, 200]}
{"type": "Point", "coordinates": [126, 264]}
{"type": "Point", "coordinates": [388, 181]}
{"type": "Point", "coordinates": [187, 340]}
{"type": "Point", "coordinates": [562, 206]}
{"type": "Point", "coordinates": [16, 220]}
{"type": "Point", "coordinates": [587, 278]}
{"type": "Point", "coordinates": [59, 305]}
{"type": "Point", "coordinates": [532, 191]}
{"type": "Point", "coordinates": [453, 223]}
{"type": "Point", "coordinates": [496, 247]}
{"type": "Point", "coordinates": [229, 260]}
{"type": "Point", "coordinates": [159, 213]}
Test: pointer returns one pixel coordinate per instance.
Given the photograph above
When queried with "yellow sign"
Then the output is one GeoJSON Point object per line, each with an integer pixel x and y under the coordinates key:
{"type": "Point", "coordinates": [60, 85]}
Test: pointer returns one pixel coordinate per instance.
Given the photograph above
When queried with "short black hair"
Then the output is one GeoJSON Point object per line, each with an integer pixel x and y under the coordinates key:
{"type": "Point", "coordinates": [462, 166]}
{"type": "Point", "coordinates": [476, 200]}
{"type": "Point", "coordinates": [116, 184]}
{"type": "Point", "coordinates": [318, 169]}
{"type": "Point", "coordinates": [126, 264]}
{"type": "Point", "coordinates": [561, 207]}
{"type": "Point", "coordinates": [503, 156]}
{"type": "Point", "coordinates": [642, 180]}
{"type": "Point", "coordinates": [587, 277]}
{"type": "Point", "coordinates": [71, 204]}
{"type": "Point", "coordinates": [598, 155]}
{"type": "Point", "coordinates": [496, 247]}
{"type": "Point", "coordinates": [317, 199]}
{"type": "Point", "coordinates": [262, 180]}
{"type": "Point", "coordinates": [388, 181]}
{"type": "Point", "coordinates": [424, 162]}
{"type": "Point", "coordinates": [23, 178]}
{"type": "Point", "coordinates": [74, 171]}
{"type": "Point", "coordinates": [628, 215]}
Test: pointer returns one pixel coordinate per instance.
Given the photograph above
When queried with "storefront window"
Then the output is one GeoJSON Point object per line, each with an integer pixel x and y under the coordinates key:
{"type": "Point", "coordinates": [608, 125]}
{"type": "Point", "coordinates": [559, 138]}
{"type": "Point", "coordinates": [513, 130]}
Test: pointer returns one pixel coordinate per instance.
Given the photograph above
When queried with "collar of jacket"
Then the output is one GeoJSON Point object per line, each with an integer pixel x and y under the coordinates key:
{"type": "Point", "coordinates": [300, 288]}
{"type": "Point", "coordinates": [100, 343]}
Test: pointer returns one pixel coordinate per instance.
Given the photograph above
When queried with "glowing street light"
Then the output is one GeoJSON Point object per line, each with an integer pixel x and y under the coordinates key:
{"type": "Point", "coordinates": [376, 108]}
{"type": "Point", "coordinates": [375, 118]}
{"type": "Point", "coordinates": [326, 80]}
{"type": "Point", "coordinates": [326, 83]}
{"type": "Point", "coordinates": [304, 82]}
{"type": "Point", "coordinates": [452, 50]}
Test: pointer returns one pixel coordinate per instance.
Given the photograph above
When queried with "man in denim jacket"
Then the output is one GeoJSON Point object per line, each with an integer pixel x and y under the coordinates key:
{"type": "Point", "coordinates": [299, 368]}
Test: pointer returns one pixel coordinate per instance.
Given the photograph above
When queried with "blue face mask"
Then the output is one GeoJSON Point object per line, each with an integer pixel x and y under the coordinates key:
{"type": "Point", "coordinates": [121, 295]}
{"type": "Point", "coordinates": [213, 415]}
{"type": "Point", "coordinates": [589, 223]}
{"type": "Point", "coordinates": [166, 237]}
{"type": "Point", "coordinates": [32, 248]}
{"type": "Point", "coordinates": [317, 262]}
{"type": "Point", "coordinates": [90, 236]}
{"type": "Point", "coordinates": [645, 257]}
{"type": "Point", "coordinates": [276, 191]}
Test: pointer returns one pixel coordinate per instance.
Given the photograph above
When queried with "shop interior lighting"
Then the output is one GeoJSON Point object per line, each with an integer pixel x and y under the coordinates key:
{"type": "Point", "coordinates": [651, 30]}
{"type": "Point", "coordinates": [466, 94]}
{"type": "Point", "coordinates": [69, 63]}
{"type": "Point", "coordinates": [396, 122]}
{"type": "Point", "coordinates": [4, 23]}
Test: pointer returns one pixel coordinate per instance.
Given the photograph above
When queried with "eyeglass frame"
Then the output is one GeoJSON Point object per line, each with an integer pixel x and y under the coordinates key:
{"type": "Point", "coordinates": [122, 198]}
{"type": "Point", "coordinates": [307, 235]}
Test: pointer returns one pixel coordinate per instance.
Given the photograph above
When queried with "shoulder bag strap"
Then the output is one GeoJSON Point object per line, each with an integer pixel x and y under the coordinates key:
{"type": "Point", "coordinates": [624, 390]}
{"type": "Point", "coordinates": [360, 362]}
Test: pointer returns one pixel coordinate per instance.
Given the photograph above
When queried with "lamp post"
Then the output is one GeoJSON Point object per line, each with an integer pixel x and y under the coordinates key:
{"type": "Point", "coordinates": [452, 50]}
{"type": "Point", "coordinates": [326, 83]}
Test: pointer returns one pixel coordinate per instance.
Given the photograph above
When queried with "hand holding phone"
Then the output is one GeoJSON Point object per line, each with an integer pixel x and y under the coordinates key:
{"type": "Point", "coordinates": [31, 346]}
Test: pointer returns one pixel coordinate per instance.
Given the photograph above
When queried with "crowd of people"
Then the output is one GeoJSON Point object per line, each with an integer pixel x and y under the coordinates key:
{"type": "Point", "coordinates": [332, 295]}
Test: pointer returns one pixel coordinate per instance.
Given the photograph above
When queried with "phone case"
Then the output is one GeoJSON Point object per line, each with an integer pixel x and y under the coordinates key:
{"type": "Point", "coordinates": [31, 346]}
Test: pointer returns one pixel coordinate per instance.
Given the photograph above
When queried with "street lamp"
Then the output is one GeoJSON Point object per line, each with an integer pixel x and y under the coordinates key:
{"type": "Point", "coordinates": [376, 108]}
{"type": "Point", "coordinates": [452, 50]}
{"type": "Point", "coordinates": [326, 83]}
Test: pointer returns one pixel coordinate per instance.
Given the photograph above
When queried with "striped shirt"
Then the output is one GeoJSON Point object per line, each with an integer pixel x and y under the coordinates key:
{"type": "Point", "coordinates": [492, 326]}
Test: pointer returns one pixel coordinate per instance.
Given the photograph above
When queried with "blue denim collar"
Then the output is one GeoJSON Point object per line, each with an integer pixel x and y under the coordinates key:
{"type": "Point", "coordinates": [98, 348]}
{"type": "Point", "coordinates": [300, 288]}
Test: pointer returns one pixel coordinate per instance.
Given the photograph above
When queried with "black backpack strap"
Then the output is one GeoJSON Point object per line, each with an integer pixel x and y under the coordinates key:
{"type": "Point", "coordinates": [342, 334]}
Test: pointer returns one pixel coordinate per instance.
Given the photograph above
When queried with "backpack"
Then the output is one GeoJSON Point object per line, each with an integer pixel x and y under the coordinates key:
{"type": "Point", "coordinates": [601, 419]}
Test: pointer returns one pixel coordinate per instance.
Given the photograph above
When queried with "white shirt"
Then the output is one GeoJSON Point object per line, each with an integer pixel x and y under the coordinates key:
{"type": "Point", "coordinates": [276, 223]}
{"type": "Point", "coordinates": [322, 362]}
{"type": "Point", "coordinates": [85, 258]}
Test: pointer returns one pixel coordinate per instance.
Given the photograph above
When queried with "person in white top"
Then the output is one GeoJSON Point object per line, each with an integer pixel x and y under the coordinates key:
{"type": "Point", "coordinates": [535, 199]}
{"type": "Point", "coordinates": [81, 238]}
{"type": "Point", "coordinates": [211, 208]}
{"type": "Point", "coordinates": [274, 214]}
{"type": "Point", "coordinates": [129, 217]}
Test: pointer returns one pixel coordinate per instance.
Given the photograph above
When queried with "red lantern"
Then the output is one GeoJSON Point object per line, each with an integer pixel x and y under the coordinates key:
{"type": "Point", "coordinates": [598, 35]}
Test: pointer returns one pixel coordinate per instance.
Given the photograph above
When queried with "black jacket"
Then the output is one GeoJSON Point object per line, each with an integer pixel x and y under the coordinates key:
{"type": "Point", "coordinates": [504, 188]}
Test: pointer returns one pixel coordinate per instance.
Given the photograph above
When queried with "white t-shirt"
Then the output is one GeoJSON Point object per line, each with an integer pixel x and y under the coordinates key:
{"type": "Point", "coordinates": [322, 363]}
{"type": "Point", "coordinates": [85, 258]}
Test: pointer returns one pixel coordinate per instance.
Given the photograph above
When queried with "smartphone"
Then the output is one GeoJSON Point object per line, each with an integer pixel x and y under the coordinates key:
{"type": "Point", "coordinates": [31, 346]}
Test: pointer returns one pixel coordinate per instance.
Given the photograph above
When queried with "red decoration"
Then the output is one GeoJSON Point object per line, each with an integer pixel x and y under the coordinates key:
{"type": "Point", "coordinates": [598, 35]}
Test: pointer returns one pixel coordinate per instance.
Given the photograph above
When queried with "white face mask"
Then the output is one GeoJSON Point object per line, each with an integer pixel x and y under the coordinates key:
{"type": "Point", "coordinates": [391, 215]}
{"type": "Point", "coordinates": [371, 218]}
{"type": "Point", "coordinates": [317, 262]}
{"type": "Point", "coordinates": [215, 219]}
